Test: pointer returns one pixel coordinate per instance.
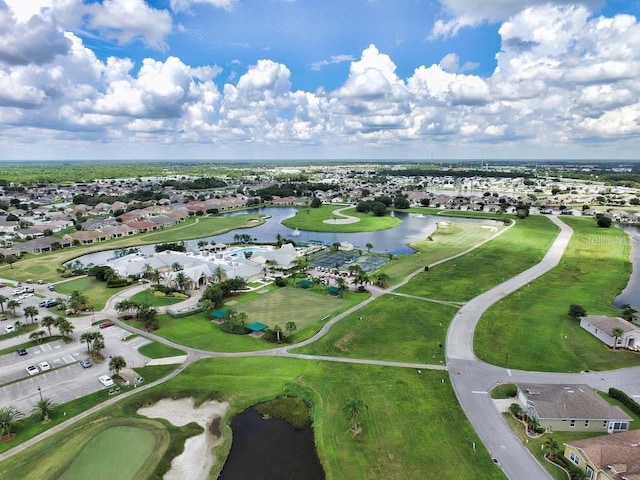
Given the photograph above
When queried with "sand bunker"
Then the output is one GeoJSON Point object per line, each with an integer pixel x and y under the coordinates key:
{"type": "Point", "coordinates": [197, 459]}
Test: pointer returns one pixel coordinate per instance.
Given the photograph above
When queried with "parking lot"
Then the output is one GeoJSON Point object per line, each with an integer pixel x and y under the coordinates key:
{"type": "Point", "coordinates": [67, 379]}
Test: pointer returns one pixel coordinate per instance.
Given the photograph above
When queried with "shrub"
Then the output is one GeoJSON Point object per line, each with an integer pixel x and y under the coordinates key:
{"type": "Point", "coordinates": [159, 294]}
{"type": "Point", "coordinates": [625, 399]}
{"type": "Point", "coordinates": [281, 282]}
{"type": "Point", "coordinates": [117, 282]}
{"type": "Point", "coordinates": [292, 410]}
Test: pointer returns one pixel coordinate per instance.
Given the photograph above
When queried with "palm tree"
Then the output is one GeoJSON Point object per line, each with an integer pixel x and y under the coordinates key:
{"type": "Point", "coordinates": [3, 299]}
{"type": "Point", "coordinates": [368, 246]}
{"type": "Point", "coordinates": [98, 344]}
{"type": "Point", "coordinates": [30, 312]}
{"type": "Point", "coordinates": [43, 407]}
{"type": "Point", "coordinates": [341, 283]}
{"type": "Point", "coordinates": [176, 267]}
{"type": "Point", "coordinates": [290, 327]}
{"type": "Point", "coordinates": [278, 330]}
{"type": "Point", "coordinates": [154, 276]}
{"type": "Point", "coordinates": [78, 301]}
{"type": "Point", "coordinates": [88, 338]}
{"type": "Point", "coordinates": [616, 332]}
{"type": "Point", "coordinates": [220, 274]}
{"type": "Point", "coordinates": [48, 322]}
{"type": "Point", "coordinates": [181, 281]}
{"type": "Point", "coordinates": [551, 447]}
{"type": "Point", "coordinates": [64, 326]}
{"type": "Point", "coordinates": [8, 418]}
{"type": "Point", "coordinates": [37, 335]}
{"type": "Point", "coordinates": [12, 305]}
{"type": "Point", "coordinates": [352, 408]}
{"type": "Point", "coordinates": [116, 364]}
{"type": "Point", "coordinates": [381, 279]}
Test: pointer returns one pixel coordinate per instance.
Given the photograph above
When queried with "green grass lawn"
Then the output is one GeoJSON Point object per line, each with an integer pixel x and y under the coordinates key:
{"type": "Point", "coordinates": [446, 242]}
{"type": "Point", "coordinates": [204, 227]}
{"type": "Point", "coordinates": [160, 350]}
{"type": "Point", "coordinates": [108, 454]}
{"type": "Point", "coordinates": [390, 328]}
{"type": "Point", "coordinates": [532, 324]}
{"type": "Point", "coordinates": [312, 219]}
{"type": "Point", "coordinates": [148, 297]}
{"type": "Point", "coordinates": [514, 251]}
{"type": "Point", "coordinates": [277, 306]}
{"type": "Point", "coordinates": [96, 291]}
{"type": "Point", "coordinates": [290, 304]}
{"type": "Point", "coordinates": [412, 428]}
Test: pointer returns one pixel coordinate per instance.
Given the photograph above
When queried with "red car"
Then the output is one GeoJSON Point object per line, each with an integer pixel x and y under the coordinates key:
{"type": "Point", "coordinates": [106, 324]}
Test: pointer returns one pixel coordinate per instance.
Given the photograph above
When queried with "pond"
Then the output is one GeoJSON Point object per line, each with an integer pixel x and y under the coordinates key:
{"type": "Point", "coordinates": [413, 227]}
{"type": "Point", "coordinates": [270, 450]}
{"type": "Point", "coordinates": [631, 294]}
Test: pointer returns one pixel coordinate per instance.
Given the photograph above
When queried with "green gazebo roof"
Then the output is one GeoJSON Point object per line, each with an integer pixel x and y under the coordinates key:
{"type": "Point", "coordinates": [333, 290]}
{"type": "Point", "coordinates": [256, 327]}
{"type": "Point", "coordinates": [220, 313]}
{"type": "Point", "coordinates": [305, 283]}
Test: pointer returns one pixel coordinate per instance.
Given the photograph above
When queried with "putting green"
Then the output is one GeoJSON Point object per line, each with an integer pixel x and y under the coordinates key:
{"type": "Point", "coordinates": [117, 453]}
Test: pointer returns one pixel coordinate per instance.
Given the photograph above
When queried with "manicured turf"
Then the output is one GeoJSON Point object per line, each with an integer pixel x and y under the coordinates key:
{"type": "Point", "coordinates": [96, 291]}
{"type": "Point", "coordinates": [532, 324]}
{"type": "Point", "coordinates": [390, 328]}
{"type": "Point", "coordinates": [305, 308]}
{"type": "Point", "coordinates": [148, 297]}
{"type": "Point", "coordinates": [514, 251]}
{"type": "Point", "coordinates": [412, 428]}
{"type": "Point", "coordinates": [312, 219]}
{"type": "Point", "coordinates": [204, 227]}
{"type": "Point", "coordinates": [445, 242]}
{"type": "Point", "coordinates": [159, 350]}
{"type": "Point", "coordinates": [108, 455]}
{"type": "Point", "coordinates": [290, 304]}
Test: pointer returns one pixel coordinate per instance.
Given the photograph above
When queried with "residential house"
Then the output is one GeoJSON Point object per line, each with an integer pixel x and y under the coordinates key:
{"type": "Point", "coordinates": [86, 237]}
{"type": "Point", "coordinates": [602, 327]}
{"type": "Point", "coordinates": [142, 226]}
{"type": "Point", "coordinates": [607, 457]}
{"type": "Point", "coordinates": [563, 408]}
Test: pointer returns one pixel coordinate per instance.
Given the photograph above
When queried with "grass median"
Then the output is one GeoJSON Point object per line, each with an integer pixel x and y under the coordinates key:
{"type": "Point", "coordinates": [532, 326]}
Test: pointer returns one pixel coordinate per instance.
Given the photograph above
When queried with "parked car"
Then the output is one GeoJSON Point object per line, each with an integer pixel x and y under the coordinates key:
{"type": "Point", "coordinates": [86, 363]}
{"type": "Point", "coordinates": [105, 380]}
{"type": "Point", "coordinates": [9, 328]}
{"type": "Point", "coordinates": [106, 324]}
{"type": "Point", "coordinates": [19, 291]}
{"type": "Point", "coordinates": [40, 282]}
{"type": "Point", "coordinates": [2, 285]}
{"type": "Point", "coordinates": [51, 287]}
{"type": "Point", "coordinates": [49, 302]}
{"type": "Point", "coordinates": [44, 366]}
{"type": "Point", "coordinates": [3, 318]}
{"type": "Point", "coordinates": [32, 370]}
{"type": "Point", "coordinates": [24, 296]}
{"type": "Point", "coordinates": [22, 352]}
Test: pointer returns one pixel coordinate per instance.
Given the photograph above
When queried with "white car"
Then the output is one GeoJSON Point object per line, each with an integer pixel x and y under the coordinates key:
{"type": "Point", "coordinates": [105, 380]}
{"type": "Point", "coordinates": [32, 370]}
{"type": "Point", "coordinates": [19, 291]}
{"type": "Point", "coordinates": [44, 366]}
{"type": "Point", "coordinates": [24, 296]}
{"type": "Point", "coordinates": [9, 328]}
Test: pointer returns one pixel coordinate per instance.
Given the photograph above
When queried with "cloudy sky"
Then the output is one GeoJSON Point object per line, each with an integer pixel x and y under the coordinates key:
{"type": "Point", "coordinates": [346, 79]}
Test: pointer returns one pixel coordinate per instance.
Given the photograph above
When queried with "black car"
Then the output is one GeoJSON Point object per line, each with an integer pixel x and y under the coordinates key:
{"type": "Point", "coordinates": [22, 351]}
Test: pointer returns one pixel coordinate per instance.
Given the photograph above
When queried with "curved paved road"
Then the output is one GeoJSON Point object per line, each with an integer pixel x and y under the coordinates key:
{"type": "Point", "coordinates": [473, 379]}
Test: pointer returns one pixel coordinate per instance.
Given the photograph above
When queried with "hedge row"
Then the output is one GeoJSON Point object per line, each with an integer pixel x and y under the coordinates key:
{"type": "Point", "coordinates": [627, 401]}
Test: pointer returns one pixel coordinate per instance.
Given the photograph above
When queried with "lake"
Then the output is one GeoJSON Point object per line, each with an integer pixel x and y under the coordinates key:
{"type": "Point", "coordinates": [413, 227]}
{"type": "Point", "coordinates": [270, 450]}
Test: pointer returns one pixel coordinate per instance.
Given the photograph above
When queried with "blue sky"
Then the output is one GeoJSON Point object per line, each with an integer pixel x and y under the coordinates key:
{"type": "Point", "coordinates": [234, 79]}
